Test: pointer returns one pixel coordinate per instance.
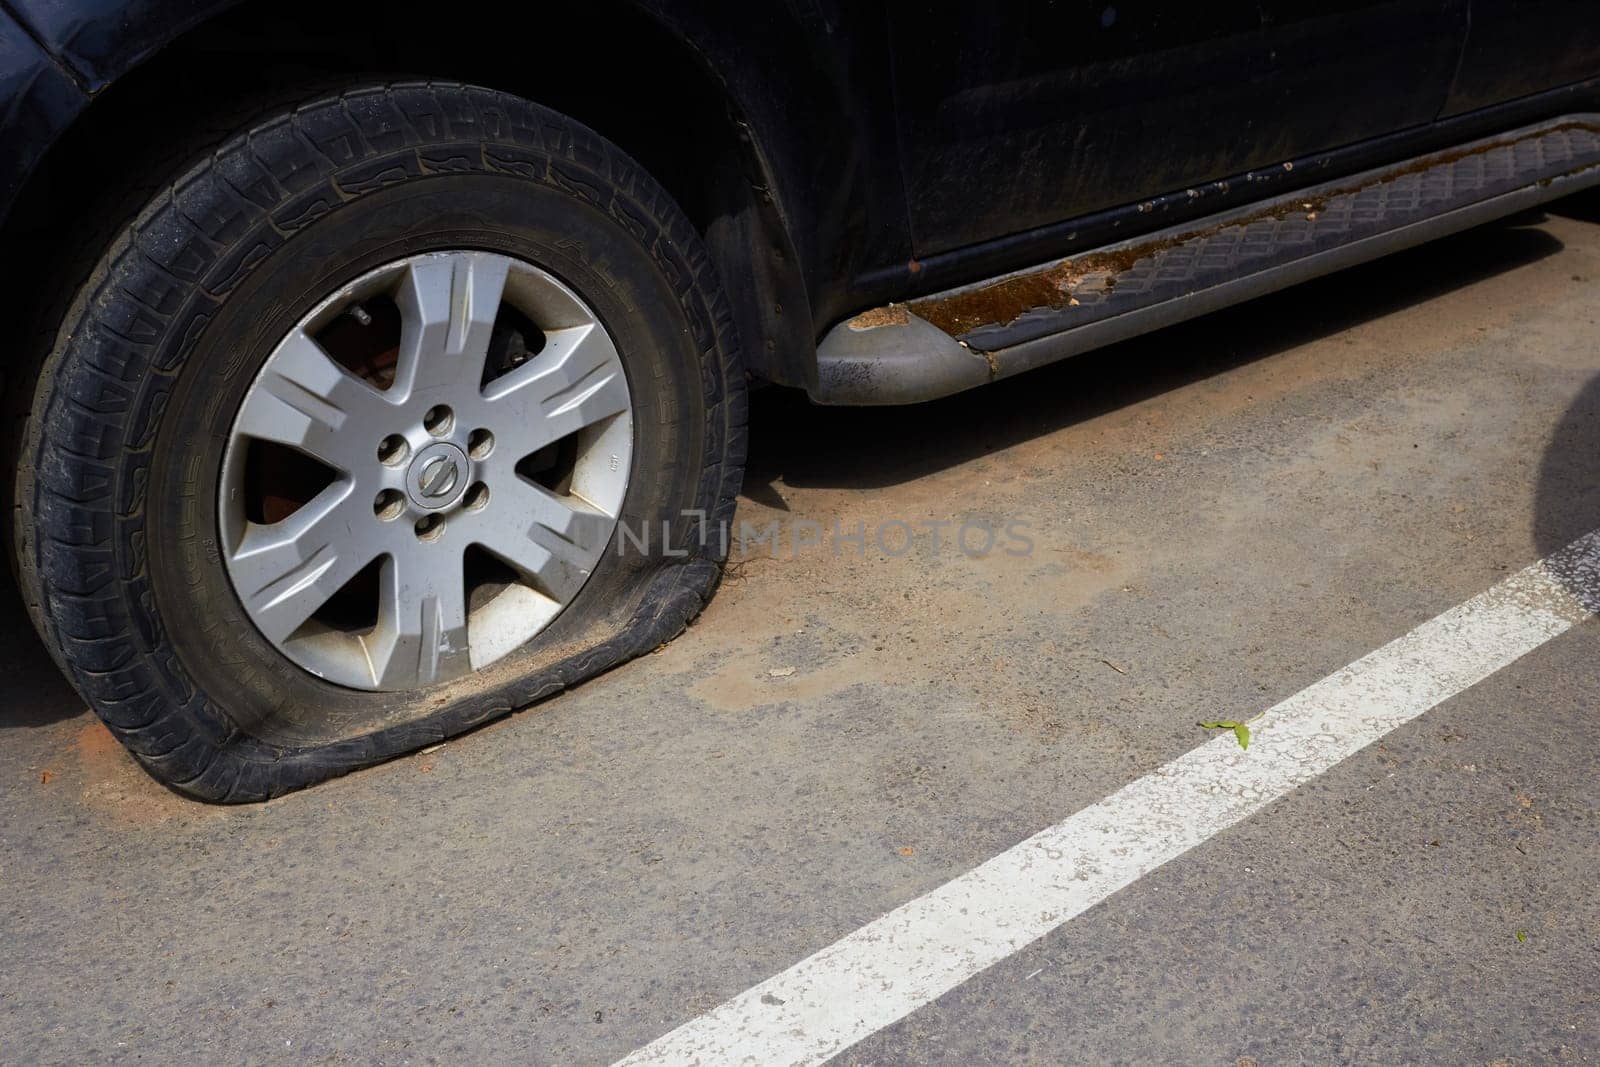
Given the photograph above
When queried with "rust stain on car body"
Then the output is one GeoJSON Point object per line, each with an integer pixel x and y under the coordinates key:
{"type": "Point", "coordinates": [1052, 287]}
{"type": "Point", "coordinates": [892, 315]}
{"type": "Point", "coordinates": [1006, 300]}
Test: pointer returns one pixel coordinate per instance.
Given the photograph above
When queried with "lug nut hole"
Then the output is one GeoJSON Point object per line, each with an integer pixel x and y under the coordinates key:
{"type": "Point", "coordinates": [393, 450]}
{"type": "Point", "coordinates": [389, 505]}
{"type": "Point", "coordinates": [480, 443]}
{"type": "Point", "coordinates": [477, 496]}
{"type": "Point", "coordinates": [429, 528]}
{"type": "Point", "coordinates": [438, 420]}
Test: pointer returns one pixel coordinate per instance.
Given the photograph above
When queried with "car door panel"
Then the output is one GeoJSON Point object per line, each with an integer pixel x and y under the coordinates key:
{"type": "Point", "coordinates": [1023, 113]}
{"type": "Point", "coordinates": [1344, 71]}
{"type": "Point", "coordinates": [1520, 47]}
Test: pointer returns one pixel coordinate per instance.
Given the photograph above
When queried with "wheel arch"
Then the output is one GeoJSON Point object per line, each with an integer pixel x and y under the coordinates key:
{"type": "Point", "coordinates": [728, 105]}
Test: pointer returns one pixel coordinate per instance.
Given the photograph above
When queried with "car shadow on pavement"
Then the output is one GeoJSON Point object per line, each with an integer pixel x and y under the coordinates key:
{"type": "Point", "coordinates": [1567, 504]}
{"type": "Point", "coordinates": [804, 445]}
{"type": "Point", "coordinates": [1585, 207]}
{"type": "Point", "coordinates": [32, 690]}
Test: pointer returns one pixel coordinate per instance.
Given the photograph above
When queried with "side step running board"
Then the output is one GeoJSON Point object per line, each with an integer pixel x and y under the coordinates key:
{"type": "Point", "coordinates": [941, 344]}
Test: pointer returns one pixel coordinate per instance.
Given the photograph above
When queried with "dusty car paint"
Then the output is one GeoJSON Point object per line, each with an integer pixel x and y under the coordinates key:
{"type": "Point", "coordinates": [37, 100]}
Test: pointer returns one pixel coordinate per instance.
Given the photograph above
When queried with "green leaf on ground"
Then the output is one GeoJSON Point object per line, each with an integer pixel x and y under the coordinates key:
{"type": "Point", "coordinates": [1240, 730]}
{"type": "Point", "coordinates": [1522, 935]}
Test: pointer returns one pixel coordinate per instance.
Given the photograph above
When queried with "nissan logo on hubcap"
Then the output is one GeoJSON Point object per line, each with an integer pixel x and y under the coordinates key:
{"type": "Point", "coordinates": [437, 476]}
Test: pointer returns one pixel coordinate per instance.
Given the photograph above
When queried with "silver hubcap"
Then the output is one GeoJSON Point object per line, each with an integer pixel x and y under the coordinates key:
{"type": "Point", "coordinates": [426, 470]}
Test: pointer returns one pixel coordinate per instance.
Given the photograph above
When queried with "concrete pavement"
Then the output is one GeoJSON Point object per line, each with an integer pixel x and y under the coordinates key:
{"type": "Point", "coordinates": [1220, 515]}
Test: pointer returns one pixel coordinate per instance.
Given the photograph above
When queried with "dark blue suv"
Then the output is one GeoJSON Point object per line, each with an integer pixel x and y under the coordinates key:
{"type": "Point", "coordinates": [373, 371]}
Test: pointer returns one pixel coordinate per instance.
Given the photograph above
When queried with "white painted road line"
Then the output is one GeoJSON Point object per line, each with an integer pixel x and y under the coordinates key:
{"type": "Point", "coordinates": [887, 969]}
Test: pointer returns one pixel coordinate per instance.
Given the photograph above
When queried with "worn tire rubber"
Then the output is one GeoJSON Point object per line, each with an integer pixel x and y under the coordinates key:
{"type": "Point", "coordinates": [94, 548]}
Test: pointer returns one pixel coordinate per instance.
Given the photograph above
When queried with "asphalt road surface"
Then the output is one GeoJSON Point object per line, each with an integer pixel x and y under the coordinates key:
{"type": "Point", "coordinates": [1203, 523]}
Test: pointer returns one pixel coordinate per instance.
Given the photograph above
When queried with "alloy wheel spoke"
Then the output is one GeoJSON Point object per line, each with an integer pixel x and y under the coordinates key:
{"type": "Point", "coordinates": [421, 637]}
{"type": "Point", "coordinates": [448, 305]}
{"type": "Point", "coordinates": [553, 543]}
{"type": "Point", "coordinates": [286, 570]}
{"type": "Point", "coordinates": [306, 401]}
{"type": "Point", "coordinates": [573, 383]}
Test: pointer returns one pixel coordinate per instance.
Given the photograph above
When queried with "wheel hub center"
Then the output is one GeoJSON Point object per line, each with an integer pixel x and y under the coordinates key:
{"type": "Point", "coordinates": [437, 477]}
